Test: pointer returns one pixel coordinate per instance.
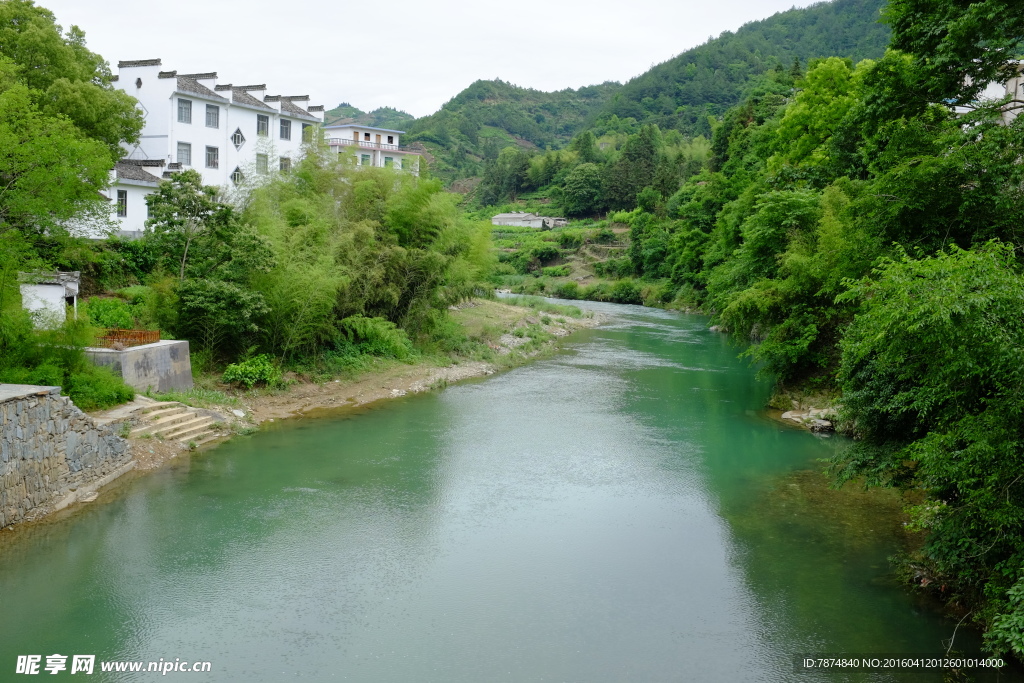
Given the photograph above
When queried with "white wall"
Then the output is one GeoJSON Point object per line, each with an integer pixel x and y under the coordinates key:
{"type": "Point", "coordinates": [45, 303]}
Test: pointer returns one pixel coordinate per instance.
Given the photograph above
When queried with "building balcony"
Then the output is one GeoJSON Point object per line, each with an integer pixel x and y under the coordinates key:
{"type": "Point", "coordinates": [367, 144]}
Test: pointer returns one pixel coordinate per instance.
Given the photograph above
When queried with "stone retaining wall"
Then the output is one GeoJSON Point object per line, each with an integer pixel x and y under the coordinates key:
{"type": "Point", "coordinates": [160, 366]}
{"type": "Point", "coordinates": [50, 451]}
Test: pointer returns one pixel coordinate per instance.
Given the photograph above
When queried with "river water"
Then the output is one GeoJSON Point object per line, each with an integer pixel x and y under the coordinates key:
{"type": "Point", "coordinates": [621, 511]}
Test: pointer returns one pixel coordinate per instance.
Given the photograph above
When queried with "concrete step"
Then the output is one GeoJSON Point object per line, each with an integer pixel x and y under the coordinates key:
{"type": "Point", "coordinates": [157, 426]}
{"type": "Point", "coordinates": [163, 411]}
{"type": "Point", "coordinates": [185, 430]}
{"type": "Point", "coordinates": [201, 440]}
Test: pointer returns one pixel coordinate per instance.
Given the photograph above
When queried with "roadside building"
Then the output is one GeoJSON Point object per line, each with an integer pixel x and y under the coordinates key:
{"type": "Point", "coordinates": [528, 220]}
{"type": "Point", "coordinates": [370, 146]}
{"type": "Point", "coordinates": [228, 133]}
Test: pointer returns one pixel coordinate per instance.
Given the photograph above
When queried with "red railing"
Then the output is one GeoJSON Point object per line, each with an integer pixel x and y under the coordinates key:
{"type": "Point", "coordinates": [124, 338]}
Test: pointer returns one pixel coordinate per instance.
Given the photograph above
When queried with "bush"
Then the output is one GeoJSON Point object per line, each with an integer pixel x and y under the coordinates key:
{"type": "Point", "coordinates": [567, 290]}
{"type": "Point", "coordinates": [92, 388]}
{"type": "Point", "coordinates": [376, 337]}
{"type": "Point", "coordinates": [110, 313]}
{"type": "Point", "coordinates": [257, 370]}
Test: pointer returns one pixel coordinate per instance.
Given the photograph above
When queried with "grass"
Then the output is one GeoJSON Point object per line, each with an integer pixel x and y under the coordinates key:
{"type": "Point", "coordinates": [198, 397]}
{"type": "Point", "coordinates": [541, 306]}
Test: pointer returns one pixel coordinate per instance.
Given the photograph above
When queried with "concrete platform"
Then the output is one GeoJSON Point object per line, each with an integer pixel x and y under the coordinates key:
{"type": "Point", "coordinates": [161, 366]}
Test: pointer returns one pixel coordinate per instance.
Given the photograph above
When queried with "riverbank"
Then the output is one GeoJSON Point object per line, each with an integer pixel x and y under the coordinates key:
{"type": "Point", "coordinates": [503, 335]}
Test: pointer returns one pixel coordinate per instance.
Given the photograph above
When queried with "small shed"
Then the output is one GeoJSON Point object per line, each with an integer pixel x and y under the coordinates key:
{"type": "Point", "coordinates": [47, 295]}
{"type": "Point", "coordinates": [528, 220]}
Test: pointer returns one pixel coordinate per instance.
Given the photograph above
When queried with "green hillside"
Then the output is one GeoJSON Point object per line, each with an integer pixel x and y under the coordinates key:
{"type": "Point", "coordinates": [489, 115]}
{"type": "Point", "coordinates": [708, 79]}
{"type": "Point", "coordinates": [383, 117]}
{"type": "Point", "coordinates": [678, 94]}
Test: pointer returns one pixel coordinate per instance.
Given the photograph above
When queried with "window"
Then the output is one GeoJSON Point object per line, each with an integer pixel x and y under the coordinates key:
{"type": "Point", "coordinates": [212, 116]}
{"type": "Point", "coordinates": [184, 154]}
{"type": "Point", "coordinates": [237, 138]}
{"type": "Point", "coordinates": [184, 111]}
{"type": "Point", "coordinates": [236, 176]}
{"type": "Point", "coordinates": [122, 203]}
{"type": "Point", "coordinates": [391, 139]}
{"type": "Point", "coordinates": [212, 157]}
{"type": "Point", "coordinates": [307, 132]}
{"type": "Point", "coordinates": [286, 129]}
{"type": "Point", "coordinates": [389, 161]}
{"type": "Point", "coordinates": [262, 124]}
{"type": "Point", "coordinates": [261, 163]}
{"type": "Point", "coordinates": [365, 160]}
{"type": "Point", "coordinates": [286, 164]}
{"type": "Point", "coordinates": [366, 136]}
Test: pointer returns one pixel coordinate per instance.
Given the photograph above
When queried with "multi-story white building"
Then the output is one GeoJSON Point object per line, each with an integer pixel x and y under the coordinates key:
{"type": "Point", "coordinates": [370, 146]}
{"type": "Point", "coordinates": [226, 132]}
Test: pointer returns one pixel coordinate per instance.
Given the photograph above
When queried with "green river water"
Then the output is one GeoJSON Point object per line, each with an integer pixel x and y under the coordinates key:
{"type": "Point", "coordinates": [620, 511]}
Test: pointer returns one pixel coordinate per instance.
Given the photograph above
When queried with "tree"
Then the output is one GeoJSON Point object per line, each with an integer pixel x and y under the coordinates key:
{"type": "Point", "coordinates": [959, 45]}
{"type": "Point", "coordinates": [634, 169]}
{"type": "Point", "coordinates": [183, 210]}
{"type": "Point", "coordinates": [581, 194]}
{"type": "Point", "coordinates": [932, 378]}
{"type": "Point", "coordinates": [64, 78]}
{"type": "Point", "coordinates": [50, 171]}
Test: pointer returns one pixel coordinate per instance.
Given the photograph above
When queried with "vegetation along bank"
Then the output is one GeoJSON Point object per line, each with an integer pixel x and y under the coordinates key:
{"type": "Point", "coordinates": [849, 212]}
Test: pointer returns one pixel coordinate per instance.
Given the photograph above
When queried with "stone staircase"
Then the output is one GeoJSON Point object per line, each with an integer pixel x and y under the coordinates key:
{"type": "Point", "coordinates": [173, 421]}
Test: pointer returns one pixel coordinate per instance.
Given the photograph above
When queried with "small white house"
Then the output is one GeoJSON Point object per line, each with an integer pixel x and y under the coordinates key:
{"type": "Point", "coordinates": [994, 91]}
{"type": "Point", "coordinates": [528, 220]}
{"type": "Point", "coordinates": [226, 132]}
{"type": "Point", "coordinates": [370, 146]}
{"type": "Point", "coordinates": [47, 296]}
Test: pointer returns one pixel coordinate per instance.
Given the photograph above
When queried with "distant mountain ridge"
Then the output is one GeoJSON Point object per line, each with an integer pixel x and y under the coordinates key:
{"type": "Point", "coordinates": [382, 117]}
{"type": "Point", "coordinates": [680, 93]}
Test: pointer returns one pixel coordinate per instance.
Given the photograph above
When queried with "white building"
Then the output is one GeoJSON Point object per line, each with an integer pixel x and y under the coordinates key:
{"type": "Point", "coordinates": [995, 92]}
{"type": "Point", "coordinates": [47, 296]}
{"type": "Point", "coordinates": [370, 146]}
{"type": "Point", "coordinates": [528, 220]}
{"type": "Point", "coordinates": [226, 132]}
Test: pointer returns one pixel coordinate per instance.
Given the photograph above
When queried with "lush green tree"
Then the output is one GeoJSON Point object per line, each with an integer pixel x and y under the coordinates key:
{"type": "Point", "coordinates": [581, 194]}
{"type": "Point", "coordinates": [633, 170]}
{"type": "Point", "coordinates": [959, 45]}
{"type": "Point", "coordinates": [49, 171]}
{"type": "Point", "coordinates": [63, 78]}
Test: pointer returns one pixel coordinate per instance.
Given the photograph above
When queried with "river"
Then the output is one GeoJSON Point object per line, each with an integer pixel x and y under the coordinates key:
{"type": "Point", "coordinates": [620, 511]}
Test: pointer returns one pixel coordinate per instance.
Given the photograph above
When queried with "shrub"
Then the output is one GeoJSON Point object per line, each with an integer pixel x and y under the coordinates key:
{"type": "Point", "coordinates": [92, 387]}
{"type": "Point", "coordinates": [376, 337]}
{"type": "Point", "coordinates": [257, 370]}
{"type": "Point", "coordinates": [105, 312]}
{"type": "Point", "coordinates": [568, 290]}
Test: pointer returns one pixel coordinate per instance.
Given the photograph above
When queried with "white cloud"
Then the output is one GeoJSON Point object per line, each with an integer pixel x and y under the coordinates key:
{"type": "Point", "coordinates": [412, 55]}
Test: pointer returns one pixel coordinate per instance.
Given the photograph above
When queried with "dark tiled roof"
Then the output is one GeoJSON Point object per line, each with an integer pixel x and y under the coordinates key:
{"type": "Point", "coordinates": [261, 86]}
{"type": "Point", "coordinates": [297, 98]}
{"type": "Point", "coordinates": [201, 77]}
{"type": "Point", "coordinates": [242, 97]}
{"type": "Point", "coordinates": [174, 166]}
{"type": "Point", "coordinates": [272, 98]}
{"type": "Point", "coordinates": [288, 108]}
{"type": "Point", "coordinates": [224, 86]}
{"type": "Point", "coordinates": [144, 162]}
{"type": "Point", "coordinates": [167, 74]}
{"type": "Point", "coordinates": [127, 171]}
{"type": "Point", "coordinates": [138, 62]}
{"type": "Point", "coordinates": [189, 85]}
{"type": "Point", "coordinates": [315, 107]}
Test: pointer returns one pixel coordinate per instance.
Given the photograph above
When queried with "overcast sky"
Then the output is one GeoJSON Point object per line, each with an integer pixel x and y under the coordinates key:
{"type": "Point", "coordinates": [408, 54]}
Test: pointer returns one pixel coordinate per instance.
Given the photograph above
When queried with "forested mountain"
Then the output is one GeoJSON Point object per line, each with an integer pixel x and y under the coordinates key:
{"type": "Point", "coordinates": [382, 117]}
{"type": "Point", "coordinates": [490, 115]}
{"type": "Point", "coordinates": [679, 94]}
